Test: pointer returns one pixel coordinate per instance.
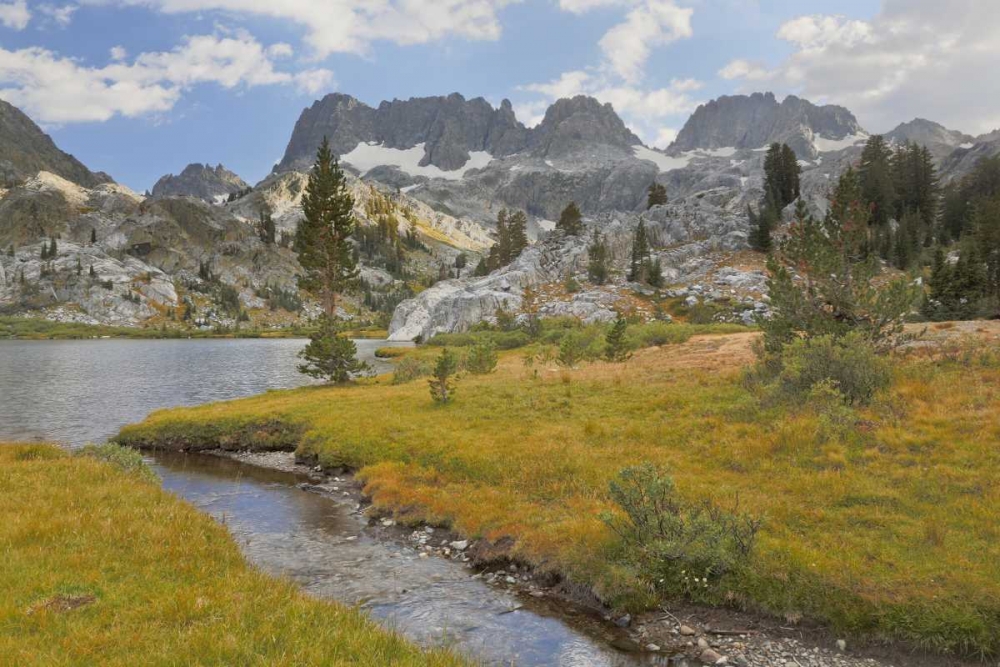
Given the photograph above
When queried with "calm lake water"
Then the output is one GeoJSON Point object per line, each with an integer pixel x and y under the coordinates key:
{"type": "Point", "coordinates": [81, 391]}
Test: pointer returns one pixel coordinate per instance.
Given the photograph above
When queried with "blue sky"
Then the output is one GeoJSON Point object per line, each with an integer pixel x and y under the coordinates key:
{"type": "Point", "coordinates": [139, 88]}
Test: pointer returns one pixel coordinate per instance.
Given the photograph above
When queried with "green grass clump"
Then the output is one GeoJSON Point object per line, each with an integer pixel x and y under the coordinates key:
{"type": "Point", "coordinates": [102, 567]}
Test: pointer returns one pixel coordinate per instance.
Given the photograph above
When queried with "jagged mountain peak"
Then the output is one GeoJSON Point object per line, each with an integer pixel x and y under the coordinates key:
{"type": "Point", "coordinates": [756, 120]}
{"type": "Point", "coordinates": [25, 150]}
{"type": "Point", "coordinates": [579, 123]}
{"type": "Point", "coordinates": [211, 184]}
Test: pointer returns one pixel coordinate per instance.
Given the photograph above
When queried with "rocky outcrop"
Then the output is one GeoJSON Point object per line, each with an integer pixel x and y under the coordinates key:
{"type": "Point", "coordinates": [25, 150]}
{"type": "Point", "coordinates": [211, 184]}
{"type": "Point", "coordinates": [757, 120]}
{"type": "Point", "coordinates": [691, 237]}
{"type": "Point", "coordinates": [964, 159]}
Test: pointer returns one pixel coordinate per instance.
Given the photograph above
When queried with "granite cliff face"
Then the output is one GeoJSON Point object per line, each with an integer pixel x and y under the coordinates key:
{"type": "Point", "coordinates": [25, 150]}
{"type": "Point", "coordinates": [755, 121]}
{"type": "Point", "coordinates": [211, 184]}
{"type": "Point", "coordinates": [449, 128]}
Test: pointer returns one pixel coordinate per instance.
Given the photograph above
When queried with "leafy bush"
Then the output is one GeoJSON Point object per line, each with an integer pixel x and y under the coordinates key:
{"type": "Point", "coordinates": [673, 541]}
{"type": "Point", "coordinates": [124, 458]}
{"type": "Point", "coordinates": [482, 358]}
{"type": "Point", "coordinates": [409, 369]}
{"type": "Point", "coordinates": [580, 345]}
{"type": "Point", "coordinates": [849, 364]}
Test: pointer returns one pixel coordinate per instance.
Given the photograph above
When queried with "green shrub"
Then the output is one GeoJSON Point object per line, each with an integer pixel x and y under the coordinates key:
{"type": "Point", "coordinates": [677, 545]}
{"type": "Point", "coordinates": [848, 364]}
{"type": "Point", "coordinates": [482, 358]}
{"type": "Point", "coordinates": [409, 369]}
{"type": "Point", "coordinates": [503, 340]}
{"type": "Point", "coordinates": [572, 349]}
{"type": "Point", "coordinates": [124, 458]}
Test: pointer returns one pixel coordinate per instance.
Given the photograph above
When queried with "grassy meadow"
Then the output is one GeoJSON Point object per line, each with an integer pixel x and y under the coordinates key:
{"type": "Point", "coordinates": [101, 566]}
{"type": "Point", "coordinates": [880, 522]}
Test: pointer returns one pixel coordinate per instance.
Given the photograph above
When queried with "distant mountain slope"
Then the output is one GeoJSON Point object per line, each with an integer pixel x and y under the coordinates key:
{"type": "Point", "coordinates": [25, 150]}
{"type": "Point", "coordinates": [938, 139]}
{"type": "Point", "coordinates": [212, 184]}
{"type": "Point", "coordinates": [754, 121]}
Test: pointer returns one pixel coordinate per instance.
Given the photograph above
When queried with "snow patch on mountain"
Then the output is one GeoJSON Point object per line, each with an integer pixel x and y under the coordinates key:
{"type": "Point", "coordinates": [824, 145]}
{"type": "Point", "coordinates": [369, 155]}
{"type": "Point", "coordinates": [663, 162]}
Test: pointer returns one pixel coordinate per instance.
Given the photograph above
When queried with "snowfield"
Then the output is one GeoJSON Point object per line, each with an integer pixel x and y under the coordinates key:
{"type": "Point", "coordinates": [367, 156]}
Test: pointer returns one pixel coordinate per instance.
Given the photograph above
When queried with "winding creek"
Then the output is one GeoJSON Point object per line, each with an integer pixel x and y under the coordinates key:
{"type": "Point", "coordinates": [84, 391]}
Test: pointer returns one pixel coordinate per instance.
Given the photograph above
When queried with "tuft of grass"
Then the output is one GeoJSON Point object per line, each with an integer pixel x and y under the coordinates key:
{"type": "Point", "coordinates": [102, 567]}
{"type": "Point", "coordinates": [127, 460]}
{"type": "Point", "coordinates": [856, 500]}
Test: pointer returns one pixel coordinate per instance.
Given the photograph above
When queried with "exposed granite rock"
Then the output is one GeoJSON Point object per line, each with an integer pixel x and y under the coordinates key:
{"type": "Point", "coordinates": [211, 184]}
{"type": "Point", "coordinates": [25, 150]}
{"type": "Point", "coordinates": [754, 121]}
{"type": "Point", "coordinates": [686, 235]}
{"type": "Point", "coordinates": [449, 127]}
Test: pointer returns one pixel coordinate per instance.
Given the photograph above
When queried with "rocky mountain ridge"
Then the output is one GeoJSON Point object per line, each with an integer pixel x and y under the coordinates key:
{"type": "Point", "coordinates": [25, 150]}
{"type": "Point", "coordinates": [211, 184]}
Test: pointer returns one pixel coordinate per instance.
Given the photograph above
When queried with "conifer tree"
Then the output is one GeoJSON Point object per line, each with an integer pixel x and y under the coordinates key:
{"type": "Point", "coordinates": [323, 237]}
{"type": "Point", "coordinates": [877, 182]}
{"type": "Point", "coordinates": [615, 346]}
{"type": "Point", "coordinates": [329, 267]}
{"type": "Point", "coordinates": [517, 230]}
{"type": "Point", "coordinates": [571, 220]}
{"type": "Point", "coordinates": [597, 255]}
{"type": "Point", "coordinates": [442, 385]}
{"type": "Point", "coordinates": [53, 248]}
{"type": "Point", "coordinates": [657, 195]}
{"type": "Point", "coordinates": [45, 251]}
{"type": "Point", "coordinates": [267, 229]}
{"type": "Point", "coordinates": [820, 280]}
{"type": "Point", "coordinates": [93, 235]}
{"type": "Point", "coordinates": [640, 254]}
{"type": "Point", "coordinates": [93, 274]}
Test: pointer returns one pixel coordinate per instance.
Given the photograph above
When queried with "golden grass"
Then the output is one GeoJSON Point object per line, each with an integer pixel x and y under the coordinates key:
{"type": "Point", "coordinates": [103, 568]}
{"type": "Point", "coordinates": [886, 527]}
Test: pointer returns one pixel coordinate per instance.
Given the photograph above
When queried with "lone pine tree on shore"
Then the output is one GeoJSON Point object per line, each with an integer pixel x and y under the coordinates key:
{"type": "Point", "coordinates": [329, 268]}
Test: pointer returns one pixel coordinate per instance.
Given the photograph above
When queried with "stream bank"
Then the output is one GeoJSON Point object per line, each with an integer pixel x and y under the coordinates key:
{"type": "Point", "coordinates": [439, 588]}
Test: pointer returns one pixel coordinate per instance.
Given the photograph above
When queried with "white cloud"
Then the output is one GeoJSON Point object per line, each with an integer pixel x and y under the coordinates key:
{"type": "Point", "coordinates": [581, 6]}
{"type": "Point", "coordinates": [744, 69]}
{"type": "Point", "coordinates": [15, 14]}
{"type": "Point", "coordinates": [118, 53]}
{"type": "Point", "coordinates": [351, 26]}
{"type": "Point", "coordinates": [627, 46]}
{"type": "Point", "coordinates": [58, 90]}
{"type": "Point", "coordinates": [915, 58]}
{"type": "Point", "coordinates": [664, 137]}
{"type": "Point", "coordinates": [61, 14]}
{"type": "Point", "coordinates": [280, 50]}
{"type": "Point", "coordinates": [643, 109]}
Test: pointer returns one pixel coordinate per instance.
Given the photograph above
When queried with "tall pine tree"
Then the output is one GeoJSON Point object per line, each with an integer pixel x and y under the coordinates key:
{"type": "Point", "coordinates": [322, 239]}
{"type": "Point", "coordinates": [329, 268]}
{"type": "Point", "coordinates": [571, 220]}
